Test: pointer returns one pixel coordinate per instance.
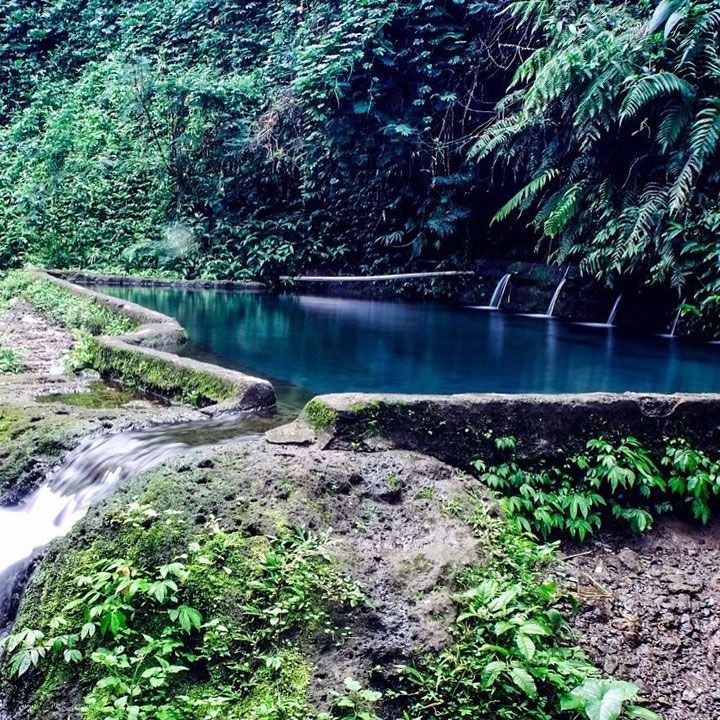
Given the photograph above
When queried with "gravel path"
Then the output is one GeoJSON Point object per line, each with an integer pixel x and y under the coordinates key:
{"type": "Point", "coordinates": [649, 613]}
{"type": "Point", "coordinates": [41, 344]}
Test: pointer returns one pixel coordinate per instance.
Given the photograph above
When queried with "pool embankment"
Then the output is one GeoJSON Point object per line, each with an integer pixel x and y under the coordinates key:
{"type": "Point", "coordinates": [143, 358]}
{"type": "Point", "coordinates": [88, 277]}
{"type": "Point", "coordinates": [460, 428]}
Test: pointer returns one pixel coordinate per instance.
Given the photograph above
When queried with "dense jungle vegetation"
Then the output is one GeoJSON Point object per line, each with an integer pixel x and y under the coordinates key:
{"type": "Point", "coordinates": [229, 139]}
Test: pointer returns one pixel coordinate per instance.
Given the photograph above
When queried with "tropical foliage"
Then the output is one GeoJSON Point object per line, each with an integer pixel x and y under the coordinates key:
{"type": "Point", "coordinates": [215, 632]}
{"type": "Point", "coordinates": [616, 482]}
{"type": "Point", "coordinates": [215, 139]}
{"type": "Point", "coordinates": [222, 139]}
{"type": "Point", "coordinates": [513, 655]}
{"type": "Point", "coordinates": [612, 127]}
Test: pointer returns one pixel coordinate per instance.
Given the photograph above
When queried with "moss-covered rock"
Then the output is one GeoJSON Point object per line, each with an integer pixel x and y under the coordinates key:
{"type": "Point", "coordinates": [382, 519]}
{"type": "Point", "coordinates": [318, 415]}
{"type": "Point", "coordinates": [155, 374]}
{"type": "Point", "coordinates": [31, 441]}
{"type": "Point", "coordinates": [460, 428]}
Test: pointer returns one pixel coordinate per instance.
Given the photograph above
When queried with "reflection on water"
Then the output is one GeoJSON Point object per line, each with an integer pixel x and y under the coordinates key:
{"type": "Point", "coordinates": [337, 345]}
{"type": "Point", "coordinates": [101, 394]}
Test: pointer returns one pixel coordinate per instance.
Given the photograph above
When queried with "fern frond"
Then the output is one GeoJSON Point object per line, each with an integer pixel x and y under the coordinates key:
{"type": "Point", "coordinates": [529, 192]}
{"type": "Point", "coordinates": [564, 211]}
{"type": "Point", "coordinates": [648, 88]}
{"type": "Point", "coordinates": [496, 136]}
{"type": "Point", "coordinates": [704, 141]}
{"type": "Point", "coordinates": [674, 123]}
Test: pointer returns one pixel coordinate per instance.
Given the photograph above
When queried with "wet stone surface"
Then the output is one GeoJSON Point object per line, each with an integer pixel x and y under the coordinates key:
{"type": "Point", "coordinates": [650, 613]}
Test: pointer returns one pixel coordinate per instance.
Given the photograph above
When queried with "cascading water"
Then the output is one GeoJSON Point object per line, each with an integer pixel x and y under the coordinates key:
{"type": "Point", "coordinates": [87, 476]}
{"type": "Point", "coordinates": [556, 295]}
{"type": "Point", "coordinates": [675, 322]}
{"type": "Point", "coordinates": [613, 312]}
{"type": "Point", "coordinates": [610, 322]}
{"type": "Point", "coordinates": [498, 294]}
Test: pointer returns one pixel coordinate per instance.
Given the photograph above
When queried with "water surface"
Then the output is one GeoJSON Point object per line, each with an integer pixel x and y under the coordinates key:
{"type": "Point", "coordinates": [310, 345]}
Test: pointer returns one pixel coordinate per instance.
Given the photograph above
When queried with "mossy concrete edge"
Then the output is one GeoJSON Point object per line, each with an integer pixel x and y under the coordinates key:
{"type": "Point", "coordinates": [89, 277]}
{"type": "Point", "coordinates": [460, 428]}
{"type": "Point", "coordinates": [143, 358]}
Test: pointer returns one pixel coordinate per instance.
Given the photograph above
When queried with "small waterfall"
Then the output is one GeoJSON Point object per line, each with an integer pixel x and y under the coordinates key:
{"type": "Point", "coordinates": [675, 322]}
{"type": "Point", "coordinates": [613, 312]}
{"type": "Point", "coordinates": [499, 292]}
{"type": "Point", "coordinates": [87, 476]}
{"type": "Point", "coordinates": [496, 298]}
{"type": "Point", "coordinates": [556, 295]}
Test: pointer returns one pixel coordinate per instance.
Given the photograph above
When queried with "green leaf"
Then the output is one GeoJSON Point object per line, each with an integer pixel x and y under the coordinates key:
{"type": "Point", "coordinates": [525, 645]}
{"type": "Point", "coordinates": [640, 713]}
{"type": "Point", "coordinates": [524, 681]}
{"type": "Point", "coordinates": [603, 699]}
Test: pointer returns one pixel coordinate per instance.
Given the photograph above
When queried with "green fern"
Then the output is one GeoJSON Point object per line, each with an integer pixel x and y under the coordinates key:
{"type": "Point", "coordinates": [528, 193]}
{"type": "Point", "coordinates": [649, 88]}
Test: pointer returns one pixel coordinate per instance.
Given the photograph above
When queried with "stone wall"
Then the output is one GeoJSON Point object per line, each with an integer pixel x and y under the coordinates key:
{"type": "Point", "coordinates": [143, 359]}
{"type": "Point", "coordinates": [459, 428]}
{"type": "Point", "coordinates": [87, 277]}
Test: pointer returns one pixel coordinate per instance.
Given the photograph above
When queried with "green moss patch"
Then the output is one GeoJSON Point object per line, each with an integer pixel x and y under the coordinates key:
{"type": "Point", "coordinates": [28, 443]}
{"type": "Point", "coordinates": [222, 627]}
{"type": "Point", "coordinates": [319, 415]}
{"type": "Point", "coordinates": [156, 375]}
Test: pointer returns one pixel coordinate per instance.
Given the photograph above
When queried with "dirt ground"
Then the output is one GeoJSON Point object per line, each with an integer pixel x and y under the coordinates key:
{"type": "Point", "coordinates": [649, 613]}
{"type": "Point", "coordinates": [41, 344]}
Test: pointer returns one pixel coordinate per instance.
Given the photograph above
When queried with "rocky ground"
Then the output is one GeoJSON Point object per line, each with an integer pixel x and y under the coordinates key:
{"type": "Point", "coordinates": [388, 526]}
{"type": "Point", "coordinates": [41, 344]}
{"type": "Point", "coordinates": [649, 613]}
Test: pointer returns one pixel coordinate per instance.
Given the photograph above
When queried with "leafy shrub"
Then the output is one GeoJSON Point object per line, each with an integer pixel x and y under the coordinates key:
{"type": "Point", "coordinates": [83, 355]}
{"type": "Point", "coordinates": [230, 609]}
{"type": "Point", "coordinates": [10, 360]}
{"type": "Point", "coordinates": [513, 654]}
{"type": "Point", "coordinates": [356, 703]}
{"type": "Point", "coordinates": [610, 481]}
{"type": "Point", "coordinates": [693, 476]}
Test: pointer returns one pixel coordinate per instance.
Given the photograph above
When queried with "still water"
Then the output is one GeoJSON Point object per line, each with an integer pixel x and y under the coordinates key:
{"type": "Point", "coordinates": [310, 345]}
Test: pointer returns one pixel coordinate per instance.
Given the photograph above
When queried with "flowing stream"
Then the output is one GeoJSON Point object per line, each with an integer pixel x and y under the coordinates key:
{"type": "Point", "coordinates": [613, 311]}
{"type": "Point", "coordinates": [498, 294]}
{"type": "Point", "coordinates": [87, 476]}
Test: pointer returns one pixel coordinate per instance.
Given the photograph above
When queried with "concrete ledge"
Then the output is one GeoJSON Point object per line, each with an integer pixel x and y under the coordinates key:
{"type": "Point", "coordinates": [459, 428]}
{"type": "Point", "coordinates": [87, 277]}
{"type": "Point", "coordinates": [141, 358]}
{"type": "Point", "coordinates": [154, 329]}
